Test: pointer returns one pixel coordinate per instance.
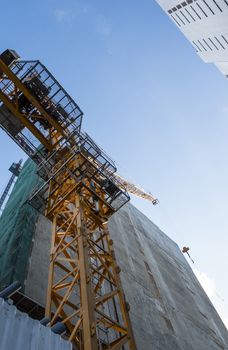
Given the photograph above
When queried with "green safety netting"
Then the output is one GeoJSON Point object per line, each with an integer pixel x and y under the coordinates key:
{"type": "Point", "coordinates": [17, 226]}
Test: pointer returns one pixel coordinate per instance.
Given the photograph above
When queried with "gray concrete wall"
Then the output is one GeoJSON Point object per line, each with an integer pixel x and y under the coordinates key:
{"type": "Point", "coordinates": [169, 309]}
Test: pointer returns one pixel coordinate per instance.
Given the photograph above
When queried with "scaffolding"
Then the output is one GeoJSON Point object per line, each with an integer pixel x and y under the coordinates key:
{"type": "Point", "coordinates": [17, 226]}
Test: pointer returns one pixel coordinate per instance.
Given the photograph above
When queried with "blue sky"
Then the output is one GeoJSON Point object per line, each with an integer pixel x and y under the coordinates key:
{"type": "Point", "coordinates": [150, 102]}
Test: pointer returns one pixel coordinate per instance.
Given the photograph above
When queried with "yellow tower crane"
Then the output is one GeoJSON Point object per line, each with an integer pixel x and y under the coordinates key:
{"type": "Point", "coordinates": [80, 192]}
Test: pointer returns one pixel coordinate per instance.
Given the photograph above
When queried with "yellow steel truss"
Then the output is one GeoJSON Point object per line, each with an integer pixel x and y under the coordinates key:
{"type": "Point", "coordinates": [84, 286]}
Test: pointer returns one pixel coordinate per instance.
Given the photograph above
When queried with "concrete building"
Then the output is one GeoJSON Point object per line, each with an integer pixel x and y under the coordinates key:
{"type": "Point", "coordinates": [205, 25]}
{"type": "Point", "coordinates": [169, 309]}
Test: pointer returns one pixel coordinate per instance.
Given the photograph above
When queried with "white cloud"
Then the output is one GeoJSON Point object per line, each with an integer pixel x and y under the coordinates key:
{"type": "Point", "coordinates": [209, 286]}
{"type": "Point", "coordinates": [103, 26]}
{"type": "Point", "coordinates": [60, 15]}
{"type": "Point", "coordinates": [225, 109]}
{"type": "Point", "coordinates": [64, 16]}
{"type": "Point", "coordinates": [225, 320]}
{"type": "Point", "coordinates": [206, 282]}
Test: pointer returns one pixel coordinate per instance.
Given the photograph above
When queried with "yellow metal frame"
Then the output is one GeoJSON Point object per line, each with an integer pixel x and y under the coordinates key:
{"type": "Point", "coordinates": [83, 263]}
{"type": "Point", "coordinates": [84, 278]}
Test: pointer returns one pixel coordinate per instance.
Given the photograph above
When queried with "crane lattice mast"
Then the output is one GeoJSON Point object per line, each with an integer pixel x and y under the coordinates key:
{"type": "Point", "coordinates": [15, 169]}
{"type": "Point", "coordinates": [79, 194]}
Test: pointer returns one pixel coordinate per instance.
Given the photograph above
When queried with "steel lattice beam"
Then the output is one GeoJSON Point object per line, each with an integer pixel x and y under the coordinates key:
{"type": "Point", "coordinates": [79, 195]}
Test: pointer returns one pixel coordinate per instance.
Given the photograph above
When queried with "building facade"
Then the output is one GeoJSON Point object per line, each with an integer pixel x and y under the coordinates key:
{"type": "Point", "coordinates": [205, 24]}
{"type": "Point", "coordinates": [168, 307]}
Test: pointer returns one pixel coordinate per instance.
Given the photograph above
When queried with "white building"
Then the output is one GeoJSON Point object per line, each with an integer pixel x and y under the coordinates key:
{"type": "Point", "coordinates": [205, 25]}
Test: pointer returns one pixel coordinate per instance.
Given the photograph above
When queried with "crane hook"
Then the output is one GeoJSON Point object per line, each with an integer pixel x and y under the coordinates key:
{"type": "Point", "coordinates": [186, 250]}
